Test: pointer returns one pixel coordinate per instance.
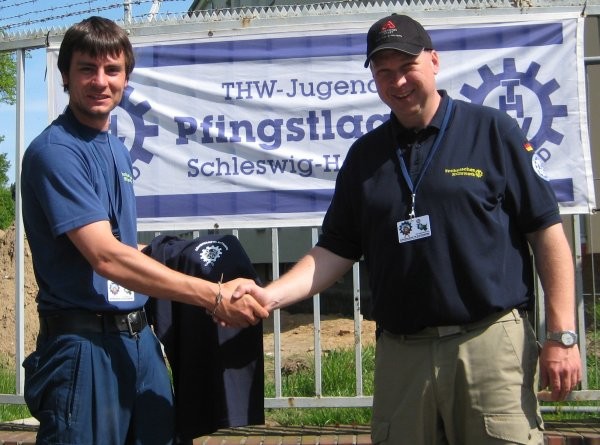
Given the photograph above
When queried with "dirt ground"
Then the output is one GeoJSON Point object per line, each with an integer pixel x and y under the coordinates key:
{"type": "Point", "coordinates": [297, 334]}
{"type": "Point", "coordinates": [297, 338]}
{"type": "Point", "coordinates": [7, 299]}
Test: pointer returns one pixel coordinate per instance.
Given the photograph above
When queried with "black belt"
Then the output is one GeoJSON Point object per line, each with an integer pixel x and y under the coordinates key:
{"type": "Point", "coordinates": [82, 322]}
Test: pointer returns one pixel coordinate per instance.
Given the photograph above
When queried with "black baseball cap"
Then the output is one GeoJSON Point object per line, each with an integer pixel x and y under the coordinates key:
{"type": "Point", "coordinates": [398, 32]}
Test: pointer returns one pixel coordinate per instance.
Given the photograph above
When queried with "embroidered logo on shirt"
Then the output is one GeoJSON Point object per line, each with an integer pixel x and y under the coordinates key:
{"type": "Point", "coordinates": [538, 167]}
{"type": "Point", "coordinates": [127, 177]}
{"type": "Point", "coordinates": [465, 171]}
{"type": "Point", "coordinates": [528, 146]}
{"type": "Point", "coordinates": [211, 251]}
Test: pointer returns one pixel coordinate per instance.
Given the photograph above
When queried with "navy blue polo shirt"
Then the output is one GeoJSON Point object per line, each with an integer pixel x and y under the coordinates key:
{"type": "Point", "coordinates": [482, 196]}
{"type": "Point", "coordinates": [74, 175]}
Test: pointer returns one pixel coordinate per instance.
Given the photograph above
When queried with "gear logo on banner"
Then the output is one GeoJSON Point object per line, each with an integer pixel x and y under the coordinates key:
{"type": "Point", "coordinates": [142, 130]}
{"type": "Point", "coordinates": [510, 80]}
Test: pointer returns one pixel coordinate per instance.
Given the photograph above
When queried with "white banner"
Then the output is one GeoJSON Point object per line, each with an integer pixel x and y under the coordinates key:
{"type": "Point", "coordinates": [250, 132]}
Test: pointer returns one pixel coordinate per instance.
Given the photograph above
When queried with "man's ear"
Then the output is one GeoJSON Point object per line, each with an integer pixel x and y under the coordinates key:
{"type": "Point", "coordinates": [435, 60]}
{"type": "Point", "coordinates": [65, 81]}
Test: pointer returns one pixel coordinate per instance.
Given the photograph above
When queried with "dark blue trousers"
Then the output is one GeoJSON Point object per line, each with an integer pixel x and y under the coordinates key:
{"type": "Point", "coordinates": [100, 388]}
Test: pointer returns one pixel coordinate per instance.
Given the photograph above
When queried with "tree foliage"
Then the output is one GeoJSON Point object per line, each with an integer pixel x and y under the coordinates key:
{"type": "Point", "coordinates": [8, 94]}
{"type": "Point", "coordinates": [8, 78]}
{"type": "Point", "coordinates": [7, 198]}
{"type": "Point", "coordinates": [7, 209]}
{"type": "Point", "coordinates": [4, 166]}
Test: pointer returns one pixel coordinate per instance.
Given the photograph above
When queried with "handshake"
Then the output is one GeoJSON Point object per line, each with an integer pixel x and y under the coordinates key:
{"type": "Point", "coordinates": [244, 303]}
{"type": "Point", "coordinates": [239, 303]}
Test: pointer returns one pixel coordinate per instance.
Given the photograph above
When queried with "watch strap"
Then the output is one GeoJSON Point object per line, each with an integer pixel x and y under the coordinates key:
{"type": "Point", "coordinates": [558, 336]}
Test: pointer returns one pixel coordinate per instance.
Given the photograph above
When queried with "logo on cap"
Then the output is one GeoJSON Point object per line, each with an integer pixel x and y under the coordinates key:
{"type": "Point", "coordinates": [388, 29]}
{"type": "Point", "coordinates": [388, 25]}
{"type": "Point", "coordinates": [398, 32]}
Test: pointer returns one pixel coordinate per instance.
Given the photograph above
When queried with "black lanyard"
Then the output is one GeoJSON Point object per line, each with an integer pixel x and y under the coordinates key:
{"type": "Point", "coordinates": [117, 193]}
{"type": "Point", "coordinates": [438, 139]}
{"type": "Point", "coordinates": [115, 189]}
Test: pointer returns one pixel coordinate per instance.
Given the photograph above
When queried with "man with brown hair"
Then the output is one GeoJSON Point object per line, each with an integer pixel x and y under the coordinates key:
{"type": "Point", "coordinates": [98, 374]}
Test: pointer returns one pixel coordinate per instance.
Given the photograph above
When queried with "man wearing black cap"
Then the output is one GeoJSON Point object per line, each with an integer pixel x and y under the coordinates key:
{"type": "Point", "coordinates": [443, 201]}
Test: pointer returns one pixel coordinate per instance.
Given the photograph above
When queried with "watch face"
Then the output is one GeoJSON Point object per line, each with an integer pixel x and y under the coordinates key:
{"type": "Point", "coordinates": [567, 339]}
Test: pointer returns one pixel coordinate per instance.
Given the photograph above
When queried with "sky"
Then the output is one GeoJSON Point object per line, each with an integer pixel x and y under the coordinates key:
{"type": "Point", "coordinates": [28, 15]}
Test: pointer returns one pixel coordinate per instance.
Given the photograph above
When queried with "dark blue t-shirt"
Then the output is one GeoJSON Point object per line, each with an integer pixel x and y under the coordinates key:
{"type": "Point", "coordinates": [74, 175]}
{"type": "Point", "coordinates": [482, 196]}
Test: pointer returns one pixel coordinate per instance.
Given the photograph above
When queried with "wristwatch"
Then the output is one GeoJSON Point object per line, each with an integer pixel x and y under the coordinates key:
{"type": "Point", "coordinates": [566, 338]}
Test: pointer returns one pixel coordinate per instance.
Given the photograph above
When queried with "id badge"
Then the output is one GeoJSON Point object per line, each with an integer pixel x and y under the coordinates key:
{"type": "Point", "coordinates": [116, 292]}
{"type": "Point", "coordinates": [414, 228]}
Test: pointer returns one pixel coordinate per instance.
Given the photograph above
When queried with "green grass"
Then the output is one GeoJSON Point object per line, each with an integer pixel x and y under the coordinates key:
{"type": "Point", "coordinates": [10, 412]}
{"type": "Point", "coordinates": [338, 380]}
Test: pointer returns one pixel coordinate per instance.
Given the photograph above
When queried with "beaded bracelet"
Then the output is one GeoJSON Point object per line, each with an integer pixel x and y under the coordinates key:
{"type": "Point", "coordinates": [218, 297]}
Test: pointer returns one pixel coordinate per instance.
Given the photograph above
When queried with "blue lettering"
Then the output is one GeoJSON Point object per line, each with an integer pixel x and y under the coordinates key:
{"type": "Point", "coordinates": [186, 126]}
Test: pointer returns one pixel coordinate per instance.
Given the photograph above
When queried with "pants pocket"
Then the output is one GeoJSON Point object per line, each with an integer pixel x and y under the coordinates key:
{"type": "Point", "coordinates": [379, 431]}
{"type": "Point", "coordinates": [512, 428]}
{"type": "Point", "coordinates": [51, 380]}
{"type": "Point", "coordinates": [32, 394]}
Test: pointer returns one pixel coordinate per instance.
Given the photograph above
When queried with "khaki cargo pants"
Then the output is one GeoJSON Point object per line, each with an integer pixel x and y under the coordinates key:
{"type": "Point", "coordinates": [474, 387]}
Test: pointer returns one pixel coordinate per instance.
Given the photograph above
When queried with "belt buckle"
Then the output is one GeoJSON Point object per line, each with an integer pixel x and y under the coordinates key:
{"type": "Point", "coordinates": [133, 318]}
{"type": "Point", "coordinates": [445, 331]}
